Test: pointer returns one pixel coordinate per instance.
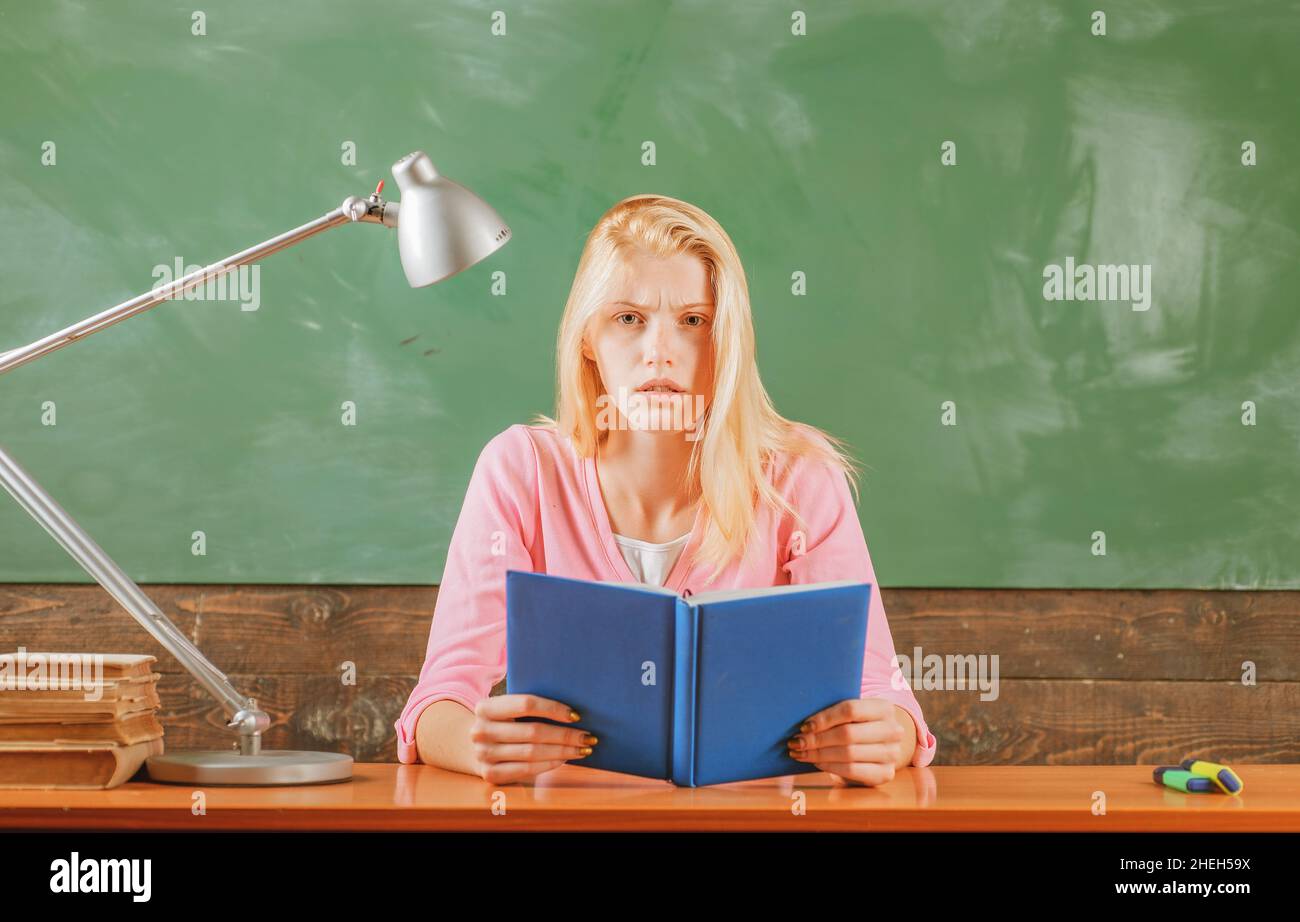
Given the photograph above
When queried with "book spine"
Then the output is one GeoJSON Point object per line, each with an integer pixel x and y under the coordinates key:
{"type": "Point", "coordinates": [686, 643]}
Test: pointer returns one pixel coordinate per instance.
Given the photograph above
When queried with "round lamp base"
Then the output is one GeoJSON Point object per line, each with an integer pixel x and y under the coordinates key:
{"type": "Point", "coordinates": [270, 767]}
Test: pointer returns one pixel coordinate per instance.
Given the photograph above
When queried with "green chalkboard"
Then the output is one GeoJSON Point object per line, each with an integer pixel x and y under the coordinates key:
{"type": "Point", "coordinates": [920, 163]}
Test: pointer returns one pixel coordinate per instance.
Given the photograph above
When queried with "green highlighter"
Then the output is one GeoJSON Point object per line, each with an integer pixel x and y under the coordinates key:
{"type": "Point", "coordinates": [1182, 780]}
{"type": "Point", "coordinates": [1223, 777]}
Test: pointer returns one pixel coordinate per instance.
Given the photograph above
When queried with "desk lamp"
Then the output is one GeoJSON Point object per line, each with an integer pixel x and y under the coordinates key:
{"type": "Point", "coordinates": [442, 229]}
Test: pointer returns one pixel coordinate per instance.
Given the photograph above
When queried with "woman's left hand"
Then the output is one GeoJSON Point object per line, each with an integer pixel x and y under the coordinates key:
{"type": "Point", "coordinates": [857, 740]}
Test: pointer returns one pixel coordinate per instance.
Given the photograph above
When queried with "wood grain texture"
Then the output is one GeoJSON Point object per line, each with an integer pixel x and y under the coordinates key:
{"type": "Point", "coordinates": [947, 798]}
{"type": "Point", "coordinates": [1084, 676]}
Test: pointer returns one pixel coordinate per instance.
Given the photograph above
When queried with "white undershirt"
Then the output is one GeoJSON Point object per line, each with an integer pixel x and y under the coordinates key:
{"type": "Point", "coordinates": [651, 563]}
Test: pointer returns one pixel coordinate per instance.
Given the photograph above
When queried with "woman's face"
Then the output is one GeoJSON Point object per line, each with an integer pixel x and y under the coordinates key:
{"type": "Point", "coordinates": [656, 327]}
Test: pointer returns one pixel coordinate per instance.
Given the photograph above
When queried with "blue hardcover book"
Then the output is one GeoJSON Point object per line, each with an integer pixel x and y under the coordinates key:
{"type": "Point", "coordinates": [699, 690]}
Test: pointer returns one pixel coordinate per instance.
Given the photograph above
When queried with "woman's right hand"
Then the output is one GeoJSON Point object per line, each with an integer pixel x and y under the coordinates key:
{"type": "Point", "coordinates": [506, 749]}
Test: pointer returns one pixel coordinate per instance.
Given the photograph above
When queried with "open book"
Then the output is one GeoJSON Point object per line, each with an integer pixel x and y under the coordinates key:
{"type": "Point", "coordinates": [699, 690]}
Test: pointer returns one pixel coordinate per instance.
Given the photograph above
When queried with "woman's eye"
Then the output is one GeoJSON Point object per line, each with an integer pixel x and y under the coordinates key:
{"type": "Point", "coordinates": [621, 316]}
{"type": "Point", "coordinates": [698, 317]}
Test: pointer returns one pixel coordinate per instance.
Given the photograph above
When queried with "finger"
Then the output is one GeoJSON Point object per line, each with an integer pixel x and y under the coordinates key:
{"type": "Point", "coordinates": [868, 773]}
{"type": "Point", "coordinates": [508, 707]}
{"type": "Point", "coordinates": [884, 753]}
{"type": "Point", "coordinates": [872, 731]}
{"type": "Point", "coordinates": [850, 710]}
{"type": "Point", "coordinates": [827, 717]}
{"type": "Point", "coordinates": [510, 731]}
{"type": "Point", "coordinates": [528, 752]}
{"type": "Point", "coordinates": [507, 772]}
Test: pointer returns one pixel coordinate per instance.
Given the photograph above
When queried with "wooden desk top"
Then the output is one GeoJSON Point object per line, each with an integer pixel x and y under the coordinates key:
{"type": "Point", "coordinates": [952, 798]}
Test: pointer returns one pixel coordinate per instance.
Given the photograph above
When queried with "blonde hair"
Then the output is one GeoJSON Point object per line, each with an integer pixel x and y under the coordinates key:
{"type": "Point", "coordinates": [741, 433]}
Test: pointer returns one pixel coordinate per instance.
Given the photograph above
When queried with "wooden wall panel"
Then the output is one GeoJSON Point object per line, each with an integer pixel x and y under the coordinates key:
{"type": "Point", "coordinates": [1084, 676]}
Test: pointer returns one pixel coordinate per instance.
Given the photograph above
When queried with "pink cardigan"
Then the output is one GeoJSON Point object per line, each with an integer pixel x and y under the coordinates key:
{"type": "Point", "coordinates": [533, 504]}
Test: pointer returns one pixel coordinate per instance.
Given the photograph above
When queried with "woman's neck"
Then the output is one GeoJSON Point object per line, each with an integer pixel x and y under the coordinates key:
{"type": "Point", "coordinates": [643, 479]}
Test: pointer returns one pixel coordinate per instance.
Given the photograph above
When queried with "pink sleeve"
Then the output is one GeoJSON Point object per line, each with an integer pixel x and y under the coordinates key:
{"type": "Point", "coordinates": [466, 654]}
{"type": "Point", "coordinates": [834, 548]}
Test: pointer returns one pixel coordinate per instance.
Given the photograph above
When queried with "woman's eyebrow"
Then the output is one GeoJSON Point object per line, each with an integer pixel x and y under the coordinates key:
{"type": "Point", "coordinates": [682, 308]}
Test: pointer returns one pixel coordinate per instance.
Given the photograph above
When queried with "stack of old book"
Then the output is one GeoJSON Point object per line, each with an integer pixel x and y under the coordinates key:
{"type": "Point", "coordinates": [76, 720]}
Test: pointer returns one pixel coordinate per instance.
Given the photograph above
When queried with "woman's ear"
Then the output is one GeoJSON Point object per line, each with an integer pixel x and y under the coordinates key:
{"type": "Point", "coordinates": [586, 351]}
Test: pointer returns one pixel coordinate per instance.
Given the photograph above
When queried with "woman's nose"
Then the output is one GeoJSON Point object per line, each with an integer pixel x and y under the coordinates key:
{"type": "Point", "coordinates": [658, 348]}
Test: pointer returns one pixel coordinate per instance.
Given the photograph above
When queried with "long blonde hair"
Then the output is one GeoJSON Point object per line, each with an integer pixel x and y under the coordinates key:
{"type": "Point", "coordinates": [741, 433]}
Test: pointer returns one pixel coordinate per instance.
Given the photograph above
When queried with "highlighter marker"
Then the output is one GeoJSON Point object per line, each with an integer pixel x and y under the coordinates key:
{"type": "Point", "coordinates": [1182, 780]}
{"type": "Point", "coordinates": [1222, 776]}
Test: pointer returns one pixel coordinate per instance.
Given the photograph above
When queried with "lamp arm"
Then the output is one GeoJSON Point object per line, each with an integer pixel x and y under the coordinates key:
{"type": "Point", "coordinates": [372, 210]}
{"type": "Point", "coordinates": [64, 529]}
{"type": "Point", "coordinates": [243, 713]}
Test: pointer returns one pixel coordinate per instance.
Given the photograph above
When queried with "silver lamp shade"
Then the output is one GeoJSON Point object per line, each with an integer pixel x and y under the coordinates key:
{"type": "Point", "coordinates": [442, 227]}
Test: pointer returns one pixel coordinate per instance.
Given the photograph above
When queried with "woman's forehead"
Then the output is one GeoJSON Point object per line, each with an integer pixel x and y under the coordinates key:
{"type": "Point", "coordinates": [650, 281]}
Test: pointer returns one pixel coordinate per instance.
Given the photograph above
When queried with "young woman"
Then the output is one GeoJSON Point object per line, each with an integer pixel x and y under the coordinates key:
{"type": "Point", "coordinates": [666, 463]}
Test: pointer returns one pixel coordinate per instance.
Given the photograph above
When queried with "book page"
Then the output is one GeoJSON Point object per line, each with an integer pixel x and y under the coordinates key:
{"type": "Point", "coordinates": [725, 595]}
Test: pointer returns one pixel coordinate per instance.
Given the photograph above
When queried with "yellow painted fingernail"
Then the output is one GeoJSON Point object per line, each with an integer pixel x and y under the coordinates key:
{"type": "Point", "coordinates": [584, 751]}
{"type": "Point", "coordinates": [589, 740]}
{"type": "Point", "coordinates": [573, 716]}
